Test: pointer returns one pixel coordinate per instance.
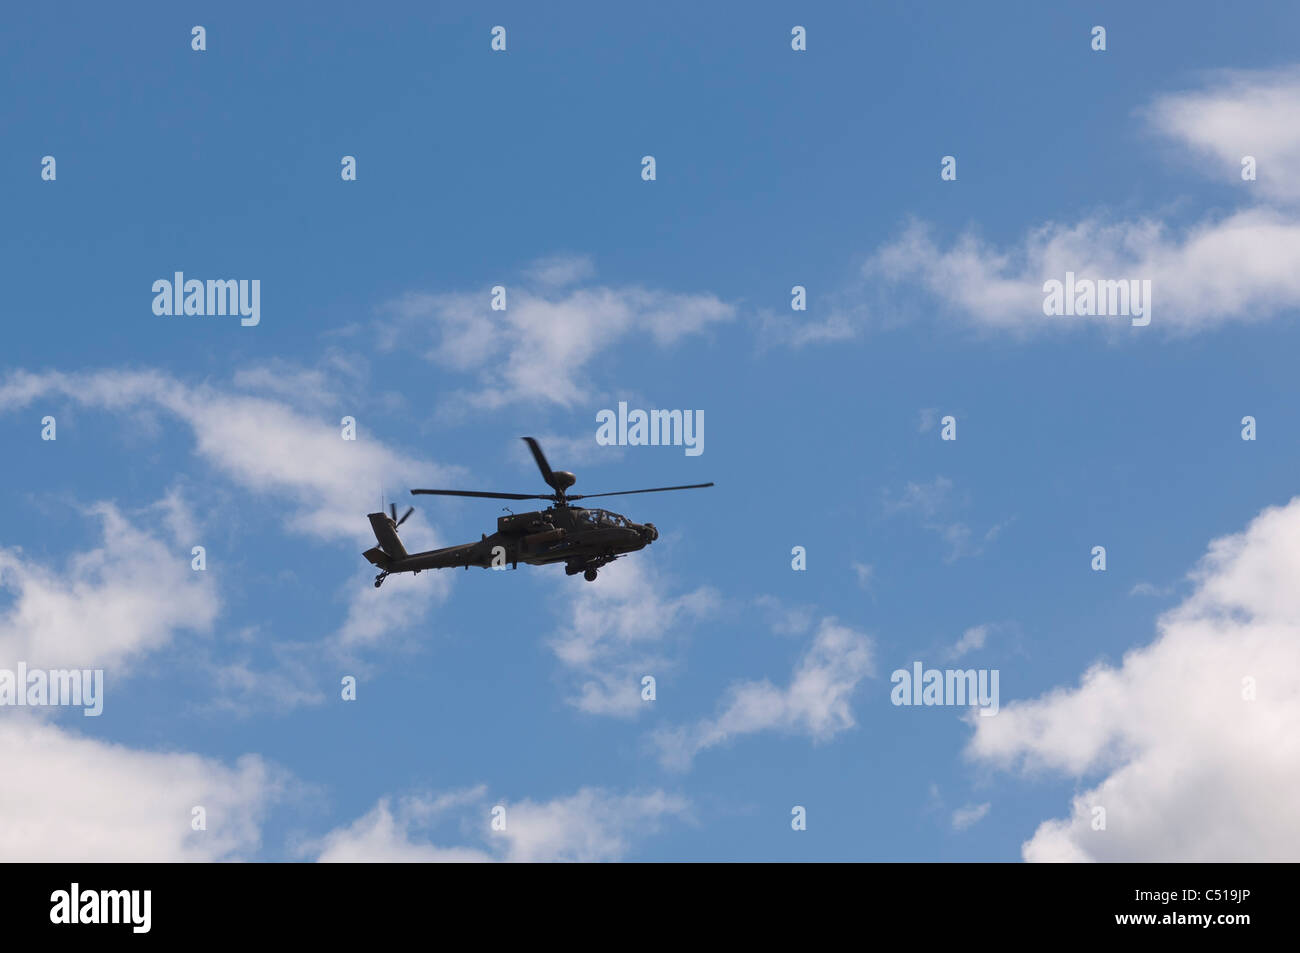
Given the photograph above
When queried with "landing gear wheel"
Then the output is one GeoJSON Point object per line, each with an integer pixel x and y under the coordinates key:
{"type": "Point", "coordinates": [379, 580]}
{"type": "Point", "coordinates": [589, 575]}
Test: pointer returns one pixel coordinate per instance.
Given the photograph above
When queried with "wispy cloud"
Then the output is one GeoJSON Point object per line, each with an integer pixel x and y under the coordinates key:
{"type": "Point", "coordinates": [815, 703]}
{"type": "Point", "coordinates": [110, 603]}
{"type": "Point", "coordinates": [935, 504]}
{"type": "Point", "coordinates": [541, 346]}
{"type": "Point", "coordinates": [622, 629]}
{"type": "Point", "coordinates": [590, 825]}
{"type": "Point", "coordinates": [1242, 266]}
{"type": "Point", "coordinates": [972, 640]}
{"type": "Point", "coordinates": [969, 816]}
{"type": "Point", "coordinates": [866, 574]}
{"type": "Point", "coordinates": [260, 443]}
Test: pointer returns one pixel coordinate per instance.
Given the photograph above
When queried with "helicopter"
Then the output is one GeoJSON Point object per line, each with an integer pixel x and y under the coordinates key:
{"type": "Point", "coordinates": [581, 538]}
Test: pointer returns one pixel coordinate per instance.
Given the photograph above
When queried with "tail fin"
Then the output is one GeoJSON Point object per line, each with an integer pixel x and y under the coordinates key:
{"type": "Point", "coordinates": [390, 547]}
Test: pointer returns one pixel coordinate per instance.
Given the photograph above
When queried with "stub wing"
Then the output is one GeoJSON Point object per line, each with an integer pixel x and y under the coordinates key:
{"type": "Point", "coordinates": [378, 557]}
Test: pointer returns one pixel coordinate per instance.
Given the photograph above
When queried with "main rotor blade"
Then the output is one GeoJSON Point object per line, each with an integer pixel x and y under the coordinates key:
{"type": "Point", "coordinates": [490, 496]}
{"type": "Point", "coordinates": [657, 489]}
{"type": "Point", "coordinates": [540, 457]}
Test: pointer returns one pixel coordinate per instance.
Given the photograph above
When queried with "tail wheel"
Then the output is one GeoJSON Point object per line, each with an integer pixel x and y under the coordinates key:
{"type": "Point", "coordinates": [589, 575]}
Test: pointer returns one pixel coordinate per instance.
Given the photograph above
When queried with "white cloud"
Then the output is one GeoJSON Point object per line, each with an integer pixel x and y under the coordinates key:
{"type": "Point", "coordinates": [375, 614]}
{"type": "Point", "coordinates": [108, 604]}
{"type": "Point", "coordinates": [1240, 113]}
{"type": "Point", "coordinates": [795, 329]}
{"type": "Point", "coordinates": [866, 574]}
{"type": "Point", "coordinates": [592, 825]}
{"type": "Point", "coordinates": [243, 689]}
{"type": "Point", "coordinates": [259, 443]}
{"type": "Point", "coordinates": [1243, 266]}
{"type": "Point", "coordinates": [79, 799]}
{"type": "Point", "coordinates": [1189, 769]}
{"type": "Point", "coordinates": [269, 447]}
{"type": "Point", "coordinates": [815, 703]}
{"type": "Point", "coordinates": [541, 346]}
{"type": "Point", "coordinates": [786, 620]}
{"type": "Point", "coordinates": [589, 826]}
{"type": "Point", "coordinates": [972, 640]}
{"type": "Point", "coordinates": [969, 816]}
{"type": "Point", "coordinates": [178, 518]}
{"type": "Point", "coordinates": [383, 835]}
{"type": "Point", "coordinates": [928, 499]}
{"type": "Point", "coordinates": [295, 385]}
{"type": "Point", "coordinates": [618, 630]}
{"type": "Point", "coordinates": [558, 271]}
{"type": "Point", "coordinates": [934, 504]}
{"type": "Point", "coordinates": [86, 801]}
{"type": "Point", "coordinates": [1150, 589]}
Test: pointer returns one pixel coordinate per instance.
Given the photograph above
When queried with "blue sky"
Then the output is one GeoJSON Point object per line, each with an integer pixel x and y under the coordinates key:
{"type": "Point", "coordinates": [775, 168]}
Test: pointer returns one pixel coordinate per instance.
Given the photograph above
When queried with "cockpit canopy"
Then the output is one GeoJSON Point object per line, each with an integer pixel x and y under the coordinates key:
{"type": "Point", "coordinates": [602, 518]}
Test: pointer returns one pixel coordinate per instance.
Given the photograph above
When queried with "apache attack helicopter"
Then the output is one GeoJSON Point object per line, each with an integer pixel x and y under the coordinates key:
{"type": "Point", "coordinates": [582, 539]}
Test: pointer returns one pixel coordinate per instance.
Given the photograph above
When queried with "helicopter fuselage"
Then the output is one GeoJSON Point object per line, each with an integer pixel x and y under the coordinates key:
{"type": "Point", "coordinates": [583, 539]}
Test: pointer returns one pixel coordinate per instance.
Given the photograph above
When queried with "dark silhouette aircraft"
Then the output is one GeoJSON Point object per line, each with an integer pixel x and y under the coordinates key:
{"type": "Point", "coordinates": [581, 538]}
